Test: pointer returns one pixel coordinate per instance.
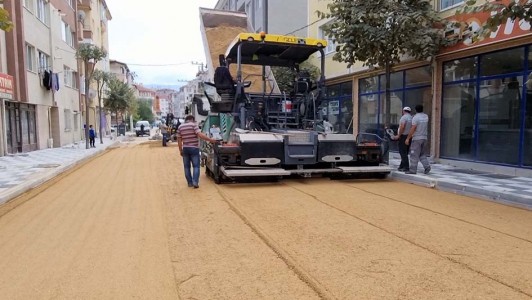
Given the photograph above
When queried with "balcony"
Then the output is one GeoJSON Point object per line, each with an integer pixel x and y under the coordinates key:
{"type": "Point", "coordinates": [86, 4]}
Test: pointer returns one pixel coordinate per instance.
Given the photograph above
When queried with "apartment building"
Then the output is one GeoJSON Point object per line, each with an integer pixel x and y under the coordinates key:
{"type": "Point", "coordinates": [478, 94]}
{"type": "Point", "coordinates": [39, 56]}
{"type": "Point", "coordinates": [272, 16]}
{"type": "Point", "coordinates": [93, 17]}
{"type": "Point", "coordinates": [6, 89]}
{"type": "Point", "coordinates": [121, 71]}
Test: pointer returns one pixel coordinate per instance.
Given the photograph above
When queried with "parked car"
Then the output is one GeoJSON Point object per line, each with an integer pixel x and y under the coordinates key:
{"type": "Point", "coordinates": [138, 130]}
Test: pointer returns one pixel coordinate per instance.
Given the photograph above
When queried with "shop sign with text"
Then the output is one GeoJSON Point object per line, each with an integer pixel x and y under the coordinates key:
{"type": "Point", "coordinates": [469, 25]}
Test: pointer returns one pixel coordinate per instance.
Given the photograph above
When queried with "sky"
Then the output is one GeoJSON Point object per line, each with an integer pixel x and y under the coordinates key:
{"type": "Point", "coordinates": [157, 39]}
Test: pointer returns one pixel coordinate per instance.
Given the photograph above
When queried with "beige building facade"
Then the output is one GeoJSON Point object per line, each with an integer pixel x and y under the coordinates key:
{"type": "Point", "coordinates": [45, 108]}
{"type": "Point", "coordinates": [478, 94]}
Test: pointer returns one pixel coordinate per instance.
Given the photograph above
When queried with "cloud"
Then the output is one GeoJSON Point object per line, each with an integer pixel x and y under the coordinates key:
{"type": "Point", "coordinates": [157, 33]}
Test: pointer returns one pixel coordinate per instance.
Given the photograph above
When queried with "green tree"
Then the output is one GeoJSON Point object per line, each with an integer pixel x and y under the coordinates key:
{"type": "Point", "coordinates": [119, 96]}
{"type": "Point", "coordinates": [5, 22]}
{"type": "Point", "coordinates": [285, 77]}
{"type": "Point", "coordinates": [101, 79]}
{"type": "Point", "coordinates": [381, 33]}
{"type": "Point", "coordinates": [90, 55]}
{"type": "Point", "coordinates": [144, 111]}
{"type": "Point", "coordinates": [515, 10]}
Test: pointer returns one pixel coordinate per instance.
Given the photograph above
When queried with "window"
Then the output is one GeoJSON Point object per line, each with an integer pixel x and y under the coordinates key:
{"type": "Point", "coordinates": [331, 45]}
{"type": "Point", "coordinates": [43, 11]}
{"type": "Point", "coordinates": [444, 4]}
{"type": "Point", "coordinates": [76, 120]}
{"type": "Point", "coordinates": [66, 34]}
{"type": "Point", "coordinates": [28, 4]}
{"type": "Point", "coordinates": [409, 88]}
{"type": "Point", "coordinates": [70, 77]}
{"type": "Point", "coordinates": [68, 120]}
{"type": "Point", "coordinates": [30, 58]}
{"type": "Point", "coordinates": [484, 108]}
{"type": "Point", "coordinates": [460, 69]}
{"type": "Point", "coordinates": [502, 62]}
{"type": "Point", "coordinates": [44, 61]}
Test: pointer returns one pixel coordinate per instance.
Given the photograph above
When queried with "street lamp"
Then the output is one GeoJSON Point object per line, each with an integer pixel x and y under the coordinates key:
{"type": "Point", "coordinates": [89, 70]}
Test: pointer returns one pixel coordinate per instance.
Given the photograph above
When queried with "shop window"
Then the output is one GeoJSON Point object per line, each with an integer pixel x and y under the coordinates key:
{"type": "Point", "coordinates": [460, 69]}
{"type": "Point", "coordinates": [499, 120]}
{"type": "Point", "coordinates": [418, 76]}
{"type": "Point", "coordinates": [368, 113]}
{"type": "Point", "coordinates": [368, 85]}
{"type": "Point", "coordinates": [502, 62]}
{"type": "Point", "coordinates": [396, 81]}
{"type": "Point", "coordinates": [527, 147]}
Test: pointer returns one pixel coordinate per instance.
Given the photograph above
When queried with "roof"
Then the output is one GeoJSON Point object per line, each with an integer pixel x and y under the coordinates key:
{"type": "Point", "coordinates": [273, 50]}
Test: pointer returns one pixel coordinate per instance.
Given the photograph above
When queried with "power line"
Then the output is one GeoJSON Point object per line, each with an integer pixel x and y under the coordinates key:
{"type": "Point", "coordinates": [306, 26]}
{"type": "Point", "coordinates": [159, 65]}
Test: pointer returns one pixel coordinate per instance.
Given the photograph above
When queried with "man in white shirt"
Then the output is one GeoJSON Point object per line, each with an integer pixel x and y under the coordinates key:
{"type": "Point", "coordinates": [417, 139]}
{"type": "Point", "coordinates": [405, 123]}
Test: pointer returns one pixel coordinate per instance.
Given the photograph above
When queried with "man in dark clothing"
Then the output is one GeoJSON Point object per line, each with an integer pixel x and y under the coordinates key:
{"type": "Point", "coordinates": [142, 129]}
{"type": "Point", "coordinates": [92, 135]}
{"type": "Point", "coordinates": [405, 123]}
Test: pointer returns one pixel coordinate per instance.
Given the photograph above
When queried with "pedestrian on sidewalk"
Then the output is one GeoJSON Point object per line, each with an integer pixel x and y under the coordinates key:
{"type": "Point", "coordinates": [417, 139]}
{"type": "Point", "coordinates": [188, 135]}
{"type": "Point", "coordinates": [164, 132]}
{"type": "Point", "coordinates": [405, 123]}
{"type": "Point", "coordinates": [92, 136]}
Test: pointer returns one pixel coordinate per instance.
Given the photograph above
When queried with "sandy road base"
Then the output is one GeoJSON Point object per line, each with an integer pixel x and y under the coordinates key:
{"type": "Point", "coordinates": [125, 225]}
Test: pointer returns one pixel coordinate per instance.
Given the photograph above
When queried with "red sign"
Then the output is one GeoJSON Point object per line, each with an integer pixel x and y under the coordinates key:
{"type": "Point", "coordinates": [472, 23]}
{"type": "Point", "coordinates": [6, 86]}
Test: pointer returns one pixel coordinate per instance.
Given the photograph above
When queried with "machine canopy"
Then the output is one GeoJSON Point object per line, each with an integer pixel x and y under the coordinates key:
{"type": "Point", "coordinates": [272, 50]}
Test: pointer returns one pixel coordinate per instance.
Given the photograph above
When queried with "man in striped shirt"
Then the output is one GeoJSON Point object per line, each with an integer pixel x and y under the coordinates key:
{"type": "Point", "coordinates": [188, 135]}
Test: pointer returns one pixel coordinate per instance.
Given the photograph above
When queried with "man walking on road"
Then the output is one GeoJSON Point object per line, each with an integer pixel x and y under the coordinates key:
{"type": "Point", "coordinates": [188, 135]}
{"type": "Point", "coordinates": [405, 123]}
{"type": "Point", "coordinates": [418, 135]}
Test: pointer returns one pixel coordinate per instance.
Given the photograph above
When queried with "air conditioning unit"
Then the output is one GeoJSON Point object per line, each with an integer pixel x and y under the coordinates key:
{"type": "Point", "coordinates": [81, 16]}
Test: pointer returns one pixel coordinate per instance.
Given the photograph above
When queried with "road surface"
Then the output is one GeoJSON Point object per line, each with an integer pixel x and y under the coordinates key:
{"type": "Point", "coordinates": [126, 226]}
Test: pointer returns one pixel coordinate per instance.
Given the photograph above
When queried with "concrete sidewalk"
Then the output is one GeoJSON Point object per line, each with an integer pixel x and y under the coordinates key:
{"type": "Point", "coordinates": [505, 189]}
{"type": "Point", "coordinates": [22, 172]}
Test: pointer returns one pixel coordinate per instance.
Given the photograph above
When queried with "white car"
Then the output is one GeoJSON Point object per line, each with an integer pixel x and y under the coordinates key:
{"type": "Point", "coordinates": [138, 130]}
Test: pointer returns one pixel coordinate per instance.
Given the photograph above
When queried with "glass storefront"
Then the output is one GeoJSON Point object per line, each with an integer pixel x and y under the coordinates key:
{"type": "Point", "coordinates": [486, 108]}
{"type": "Point", "coordinates": [407, 88]}
{"type": "Point", "coordinates": [338, 107]}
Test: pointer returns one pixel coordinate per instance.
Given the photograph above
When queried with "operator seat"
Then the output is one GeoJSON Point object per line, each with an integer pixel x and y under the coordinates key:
{"type": "Point", "coordinates": [303, 84]}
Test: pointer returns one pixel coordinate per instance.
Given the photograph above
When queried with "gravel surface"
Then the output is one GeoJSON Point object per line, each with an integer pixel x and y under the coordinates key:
{"type": "Point", "coordinates": [125, 226]}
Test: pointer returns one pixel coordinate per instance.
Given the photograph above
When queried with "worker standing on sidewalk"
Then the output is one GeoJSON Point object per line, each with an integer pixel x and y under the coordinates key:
{"type": "Point", "coordinates": [405, 123]}
{"type": "Point", "coordinates": [92, 136]}
{"type": "Point", "coordinates": [188, 135]}
{"type": "Point", "coordinates": [418, 135]}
